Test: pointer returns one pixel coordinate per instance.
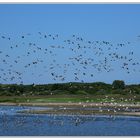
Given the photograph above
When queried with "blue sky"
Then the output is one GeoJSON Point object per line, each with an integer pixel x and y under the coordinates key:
{"type": "Point", "coordinates": [114, 23]}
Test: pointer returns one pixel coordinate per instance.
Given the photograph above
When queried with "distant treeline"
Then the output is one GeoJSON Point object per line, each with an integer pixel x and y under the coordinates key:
{"type": "Point", "coordinates": [117, 87]}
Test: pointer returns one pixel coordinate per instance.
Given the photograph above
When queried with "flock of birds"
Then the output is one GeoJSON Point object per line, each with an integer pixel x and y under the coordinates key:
{"type": "Point", "coordinates": [22, 121]}
{"type": "Point", "coordinates": [74, 59]}
{"type": "Point", "coordinates": [54, 119]}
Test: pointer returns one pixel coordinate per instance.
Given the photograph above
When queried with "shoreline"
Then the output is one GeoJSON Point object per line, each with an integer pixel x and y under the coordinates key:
{"type": "Point", "coordinates": [80, 104]}
{"type": "Point", "coordinates": [79, 108]}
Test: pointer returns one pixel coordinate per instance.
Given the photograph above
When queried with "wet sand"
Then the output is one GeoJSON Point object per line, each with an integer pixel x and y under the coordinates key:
{"type": "Point", "coordinates": [82, 108]}
{"type": "Point", "coordinates": [78, 112]}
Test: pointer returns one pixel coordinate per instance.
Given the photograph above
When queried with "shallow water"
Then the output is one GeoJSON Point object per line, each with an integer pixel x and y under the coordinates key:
{"type": "Point", "coordinates": [16, 124]}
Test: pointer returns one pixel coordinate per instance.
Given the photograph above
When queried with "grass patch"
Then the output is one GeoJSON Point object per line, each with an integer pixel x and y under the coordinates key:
{"type": "Point", "coordinates": [73, 99]}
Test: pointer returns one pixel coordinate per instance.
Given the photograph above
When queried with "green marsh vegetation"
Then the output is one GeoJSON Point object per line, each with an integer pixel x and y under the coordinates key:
{"type": "Point", "coordinates": [71, 92]}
